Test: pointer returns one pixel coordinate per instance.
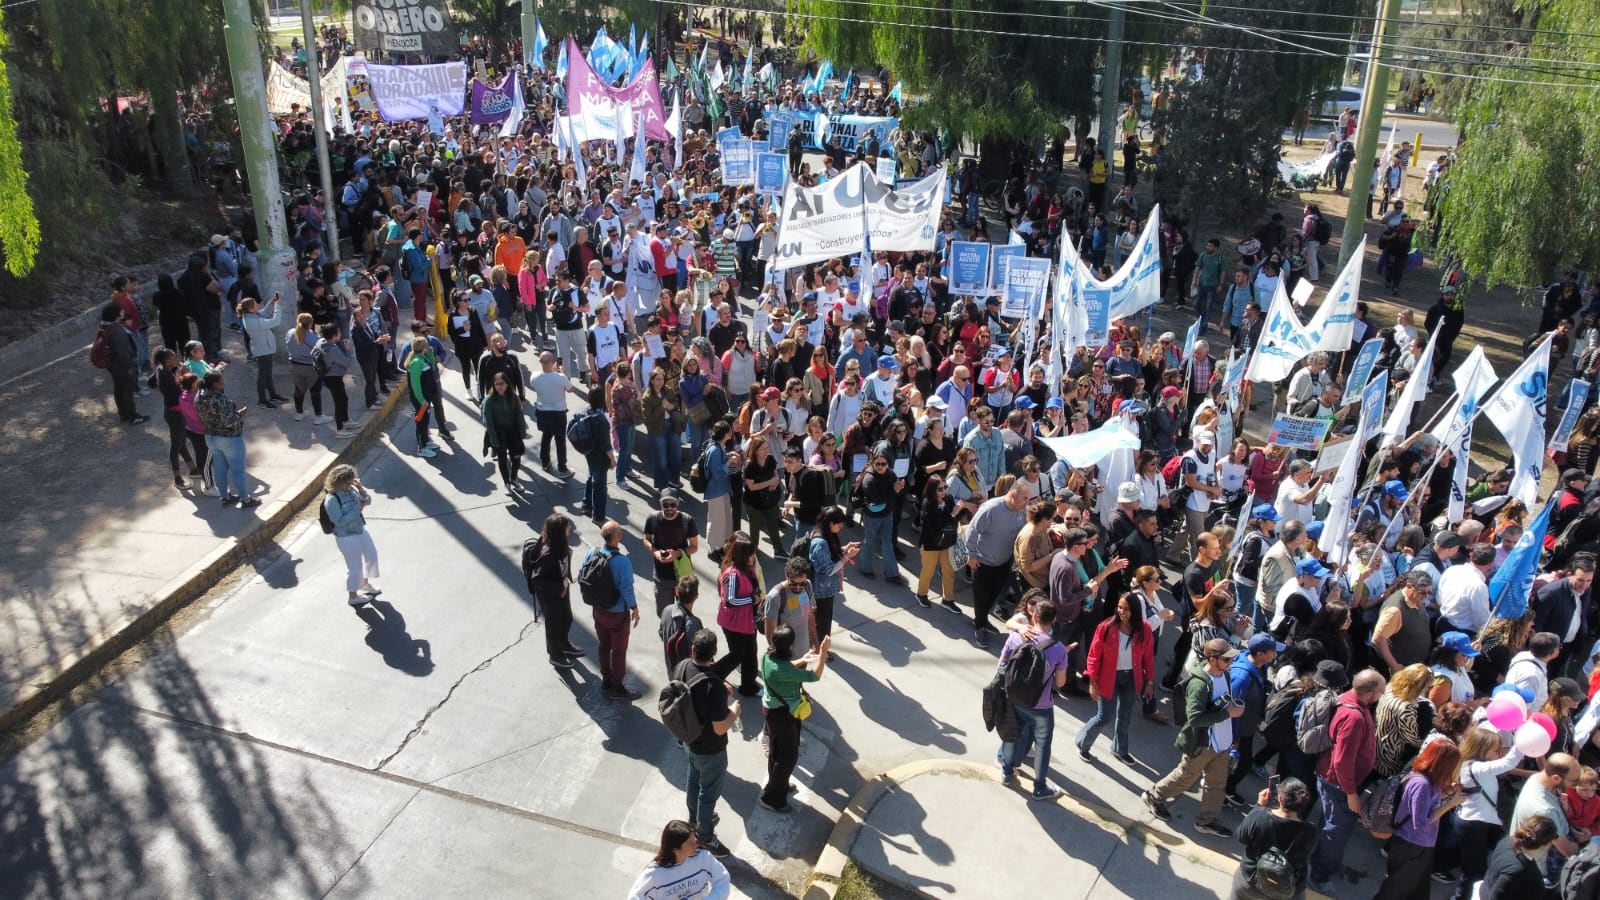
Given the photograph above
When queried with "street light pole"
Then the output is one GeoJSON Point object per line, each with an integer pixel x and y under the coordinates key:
{"type": "Point", "coordinates": [320, 125]}
{"type": "Point", "coordinates": [1371, 122]}
{"type": "Point", "coordinates": [274, 258]}
{"type": "Point", "coordinates": [1110, 89]}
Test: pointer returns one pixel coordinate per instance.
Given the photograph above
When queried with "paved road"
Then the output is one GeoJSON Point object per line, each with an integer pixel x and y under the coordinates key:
{"type": "Point", "coordinates": [285, 745]}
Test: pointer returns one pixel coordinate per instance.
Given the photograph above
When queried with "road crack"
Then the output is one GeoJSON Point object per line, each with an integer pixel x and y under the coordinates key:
{"type": "Point", "coordinates": [423, 722]}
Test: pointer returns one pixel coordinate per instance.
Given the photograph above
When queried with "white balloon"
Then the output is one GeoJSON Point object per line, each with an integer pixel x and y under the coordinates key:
{"type": "Point", "coordinates": [1531, 740]}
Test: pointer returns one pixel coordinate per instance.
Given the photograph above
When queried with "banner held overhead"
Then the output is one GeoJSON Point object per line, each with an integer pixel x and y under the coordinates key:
{"type": "Point", "coordinates": [405, 26]}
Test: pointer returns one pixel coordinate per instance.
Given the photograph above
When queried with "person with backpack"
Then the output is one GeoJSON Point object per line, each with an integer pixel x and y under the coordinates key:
{"type": "Point", "coordinates": [679, 624]}
{"type": "Point", "coordinates": [1278, 842]}
{"type": "Point", "coordinates": [1247, 677]}
{"type": "Point", "coordinates": [115, 351]}
{"type": "Point", "coordinates": [715, 466]}
{"type": "Point", "coordinates": [790, 603]}
{"type": "Point", "coordinates": [590, 434]}
{"type": "Point", "coordinates": [671, 537]}
{"type": "Point", "coordinates": [1349, 749]}
{"type": "Point", "coordinates": [605, 582]}
{"type": "Point", "coordinates": [547, 568]}
{"type": "Point", "coordinates": [1427, 793]}
{"type": "Point", "coordinates": [714, 712]}
{"type": "Point", "coordinates": [342, 517]}
{"type": "Point", "coordinates": [1204, 739]}
{"type": "Point", "coordinates": [828, 556]}
{"type": "Point", "coordinates": [1035, 666]}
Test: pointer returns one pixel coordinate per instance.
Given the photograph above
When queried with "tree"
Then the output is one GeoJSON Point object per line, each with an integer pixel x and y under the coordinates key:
{"type": "Point", "coordinates": [1456, 43]}
{"type": "Point", "coordinates": [1224, 131]}
{"type": "Point", "coordinates": [1521, 199]}
{"type": "Point", "coordinates": [19, 227]}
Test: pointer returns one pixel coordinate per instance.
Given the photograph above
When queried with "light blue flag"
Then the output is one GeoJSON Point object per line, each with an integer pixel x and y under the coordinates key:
{"type": "Point", "coordinates": [744, 79]}
{"type": "Point", "coordinates": [561, 66]}
{"type": "Point", "coordinates": [540, 44]}
{"type": "Point", "coordinates": [633, 41]}
{"type": "Point", "coordinates": [849, 84]}
{"type": "Point", "coordinates": [1189, 339]}
{"type": "Point", "coordinates": [1508, 589]}
{"type": "Point", "coordinates": [895, 94]}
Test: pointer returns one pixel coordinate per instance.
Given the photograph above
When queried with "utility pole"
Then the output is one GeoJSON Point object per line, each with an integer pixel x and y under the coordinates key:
{"type": "Point", "coordinates": [276, 260]}
{"type": "Point", "coordinates": [1372, 102]}
{"type": "Point", "coordinates": [1110, 90]}
{"type": "Point", "coordinates": [320, 125]}
{"type": "Point", "coordinates": [529, 28]}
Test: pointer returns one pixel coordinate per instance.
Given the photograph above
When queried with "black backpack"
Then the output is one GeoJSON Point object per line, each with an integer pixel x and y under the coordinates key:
{"type": "Point", "coordinates": [678, 628]}
{"type": "Point", "coordinates": [1278, 723]}
{"type": "Point", "coordinates": [1580, 877]}
{"type": "Point", "coordinates": [322, 515]}
{"type": "Point", "coordinates": [1347, 152]}
{"type": "Point", "coordinates": [580, 434]}
{"type": "Point", "coordinates": [1025, 674]}
{"type": "Point", "coordinates": [1323, 231]}
{"type": "Point", "coordinates": [319, 359]}
{"type": "Point", "coordinates": [676, 705]}
{"type": "Point", "coordinates": [595, 584]}
{"type": "Point", "coordinates": [1274, 876]}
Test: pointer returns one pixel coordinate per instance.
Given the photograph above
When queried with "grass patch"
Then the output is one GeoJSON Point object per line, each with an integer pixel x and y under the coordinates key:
{"type": "Point", "coordinates": [856, 884]}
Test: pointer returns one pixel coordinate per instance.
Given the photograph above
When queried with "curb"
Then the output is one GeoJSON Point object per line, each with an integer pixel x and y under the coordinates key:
{"type": "Point", "coordinates": [78, 666]}
{"type": "Point", "coordinates": [829, 870]}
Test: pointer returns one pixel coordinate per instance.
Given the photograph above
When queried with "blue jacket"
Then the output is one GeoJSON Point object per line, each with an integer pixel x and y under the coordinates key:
{"type": "Point", "coordinates": [867, 359]}
{"type": "Point", "coordinates": [344, 508]}
{"type": "Point", "coordinates": [717, 473]}
{"type": "Point", "coordinates": [1248, 683]}
{"type": "Point", "coordinates": [824, 582]}
{"type": "Point", "coordinates": [621, 575]}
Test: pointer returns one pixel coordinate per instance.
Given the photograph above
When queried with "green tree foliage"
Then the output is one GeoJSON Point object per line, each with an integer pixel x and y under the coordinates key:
{"type": "Point", "coordinates": [1223, 132]}
{"type": "Point", "coordinates": [19, 227]}
{"type": "Point", "coordinates": [1457, 37]}
{"type": "Point", "coordinates": [1521, 201]}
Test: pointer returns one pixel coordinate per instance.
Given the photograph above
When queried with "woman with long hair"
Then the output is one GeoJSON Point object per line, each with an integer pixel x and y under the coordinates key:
{"type": "Point", "coordinates": [738, 590]}
{"type": "Point", "coordinates": [966, 485]}
{"type": "Point", "coordinates": [505, 426]}
{"type": "Point", "coordinates": [937, 536]}
{"type": "Point", "coordinates": [547, 567]}
{"type": "Point", "coordinates": [345, 500]}
{"type": "Point", "coordinates": [167, 366]}
{"type": "Point", "coordinates": [1331, 626]}
{"type": "Point", "coordinates": [195, 430]}
{"type": "Point", "coordinates": [1425, 798]}
{"type": "Point", "coordinates": [828, 556]}
{"type": "Point", "coordinates": [682, 868]}
{"type": "Point", "coordinates": [1400, 716]}
{"type": "Point", "coordinates": [786, 704]}
{"type": "Point", "coordinates": [1122, 666]}
{"type": "Point", "coordinates": [763, 491]}
{"type": "Point", "coordinates": [371, 342]}
{"type": "Point", "coordinates": [1484, 758]}
{"type": "Point", "coordinates": [468, 337]}
{"type": "Point", "coordinates": [299, 343]}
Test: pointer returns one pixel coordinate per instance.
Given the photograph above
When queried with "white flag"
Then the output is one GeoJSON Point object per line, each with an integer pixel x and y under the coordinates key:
{"type": "Point", "coordinates": [578, 167]}
{"type": "Point", "coordinates": [1336, 527]}
{"type": "Point", "coordinates": [1284, 341]}
{"type": "Point", "coordinates": [675, 128]}
{"type": "Point", "coordinates": [1334, 323]}
{"type": "Point", "coordinates": [1475, 367]}
{"type": "Point", "coordinates": [636, 172]}
{"type": "Point", "coordinates": [1416, 388]}
{"type": "Point", "coordinates": [1518, 410]}
{"type": "Point", "coordinates": [518, 107]}
{"type": "Point", "coordinates": [717, 77]}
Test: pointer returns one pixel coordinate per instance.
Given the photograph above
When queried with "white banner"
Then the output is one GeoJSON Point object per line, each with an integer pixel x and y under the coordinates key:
{"type": "Point", "coordinates": [1296, 174]}
{"type": "Point", "coordinates": [286, 90]}
{"type": "Point", "coordinates": [832, 219]}
{"type": "Point", "coordinates": [1518, 410]}
{"type": "Point", "coordinates": [412, 92]}
{"type": "Point", "coordinates": [1333, 325]}
{"type": "Point", "coordinates": [1394, 428]}
{"type": "Point", "coordinates": [1284, 341]}
{"type": "Point", "coordinates": [1137, 284]}
{"type": "Point", "coordinates": [1336, 527]}
{"type": "Point", "coordinates": [1476, 371]}
{"type": "Point", "coordinates": [1578, 396]}
{"type": "Point", "coordinates": [1068, 318]}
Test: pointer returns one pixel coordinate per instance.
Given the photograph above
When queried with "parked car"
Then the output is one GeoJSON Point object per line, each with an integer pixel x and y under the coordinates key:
{"type": "Point", "coordinates": [1336, 100]}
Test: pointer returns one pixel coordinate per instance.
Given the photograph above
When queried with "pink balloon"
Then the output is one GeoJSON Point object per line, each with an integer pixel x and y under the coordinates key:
{"type": "Point", "coordinates": [1530, 740]}
{"type": "Point", "coordinates": [1545, 722]}
{"type": "Point", "coordinates": [1504, 714]}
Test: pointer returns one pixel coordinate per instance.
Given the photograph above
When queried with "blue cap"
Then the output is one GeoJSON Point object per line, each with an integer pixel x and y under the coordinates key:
{"type": "Point", "coordinates": [1396, 490]}
{"type": "Point", "coordinates": [1314, 530]}
{"type": "Point", "coordinates": [1265, 511]}
{"type": "Point", "coordinates": [1024, 402]}
{"type": "Point", "coordinates": [888, 362]}
{"type": "Point", "coordinates": [1458, 642]}
{"type": "Point", "coordinates": [1313, 567]}
{"type": "Point", "coordinates": [1525, 693]}
{"type": "Point", "coordinates": [1261, 640]}
{"type": "Point", "coordinates": [1054, 403]}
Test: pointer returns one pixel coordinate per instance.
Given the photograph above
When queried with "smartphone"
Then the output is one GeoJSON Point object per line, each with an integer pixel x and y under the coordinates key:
{"type": "Point", "coordinates": [1272, 784]}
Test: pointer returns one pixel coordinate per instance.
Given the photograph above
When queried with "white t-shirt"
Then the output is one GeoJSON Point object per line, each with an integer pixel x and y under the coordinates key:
{"type": "Point", "coordinates": [1222, 732]}
{"type": "Point", "coordinates": [1287, 507]}
{"type": "Point", "coordinates": [1204, 472]}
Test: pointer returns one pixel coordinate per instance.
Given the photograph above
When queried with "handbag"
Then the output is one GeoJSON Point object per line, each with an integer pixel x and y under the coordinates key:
{"type": "Point", "coordinates": [699, 414]}
{"type": "Point", "coordinates": [802, 710]}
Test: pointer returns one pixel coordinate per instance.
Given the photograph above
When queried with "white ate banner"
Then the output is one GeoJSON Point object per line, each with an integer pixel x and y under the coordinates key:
{"type": "Point", "coordinates": [832, 219]}
{"type": "Point", "coordinates": [411, 92]}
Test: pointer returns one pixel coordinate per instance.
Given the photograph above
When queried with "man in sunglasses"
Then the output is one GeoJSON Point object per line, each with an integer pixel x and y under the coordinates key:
{"type": "Point", "coordinates": [1205, 739]}
{"type": "Point", "coordinates": [672, 537]}
{"type": "Point", "coordinates": [789, 603]}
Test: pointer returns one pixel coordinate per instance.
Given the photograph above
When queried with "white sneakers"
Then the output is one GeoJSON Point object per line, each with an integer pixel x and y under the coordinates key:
{"type": "Point", "coordinates": [210, 491]}
{"type": "Point", "coordinates": [322, 420]}
{"type": "Point", "coordinates": [427, 452]}
{"type": "Point", "coordinates": [299, 417]}
{"type": "Point", "coordinates": [344, 433]}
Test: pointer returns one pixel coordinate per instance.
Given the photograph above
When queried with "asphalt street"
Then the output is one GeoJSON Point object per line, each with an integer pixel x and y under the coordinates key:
{"type": "Point", "coordinates": [285, 745]}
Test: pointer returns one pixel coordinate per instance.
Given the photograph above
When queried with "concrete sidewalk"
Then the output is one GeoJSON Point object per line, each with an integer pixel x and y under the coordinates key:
{"type": "Point", "coordinates": [949, 828]}
{"type": "Point", "coordinates": [102, 547]}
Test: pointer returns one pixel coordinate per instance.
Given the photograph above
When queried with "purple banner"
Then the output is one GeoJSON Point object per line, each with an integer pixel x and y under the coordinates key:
{"type": "Point", "coordinates": [492, 102]}
{"type": "Point", "coordinates": [642, 94]}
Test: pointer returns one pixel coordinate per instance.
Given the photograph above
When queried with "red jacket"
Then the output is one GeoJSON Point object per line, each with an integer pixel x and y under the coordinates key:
{"type": "Point", "coordinates": [1355, 745]}
{"type": "Point", "coordinates": [1102, 668]}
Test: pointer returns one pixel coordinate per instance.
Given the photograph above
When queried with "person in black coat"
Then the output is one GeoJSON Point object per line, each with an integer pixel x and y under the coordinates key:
{"type": "Point", "coordinates": [1514, 873]}
{"type": "Point", "coordinates": [547, 568]}
{"type": "Point", "coordinates": [122, 363]}
{"type": "Point", "coordinates": [1558, 603]}
{"type": "Point", "coordinates": [171, 313]}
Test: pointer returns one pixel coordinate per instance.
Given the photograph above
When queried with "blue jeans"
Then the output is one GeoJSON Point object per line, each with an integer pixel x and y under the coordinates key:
{"type": "Point", "coordinates": [705, 788]}
{"type": "Point", "coordinates": [594, 489]}
{"type": "Point", "coordinates": [227, 455]}
{"type": "Point", "coordinates": [663, 472]}
{"type": "Point", "coordinates": [878, 537]}
{"type": "Point", "coordinates": [697, 439]}
{"type": "Point", "coordinates": [1338, 823]}
{"type": "Point", "coordinates": [625, 436]}
{"type": "Point", "coordinates": [1120, 702]}
{"type": "Point", "coordinates": [1032, 725]}
{"type": "Point", "coordinates": [1259, 616]}
{"type": "Point", "coordinates": [1244, 596]}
